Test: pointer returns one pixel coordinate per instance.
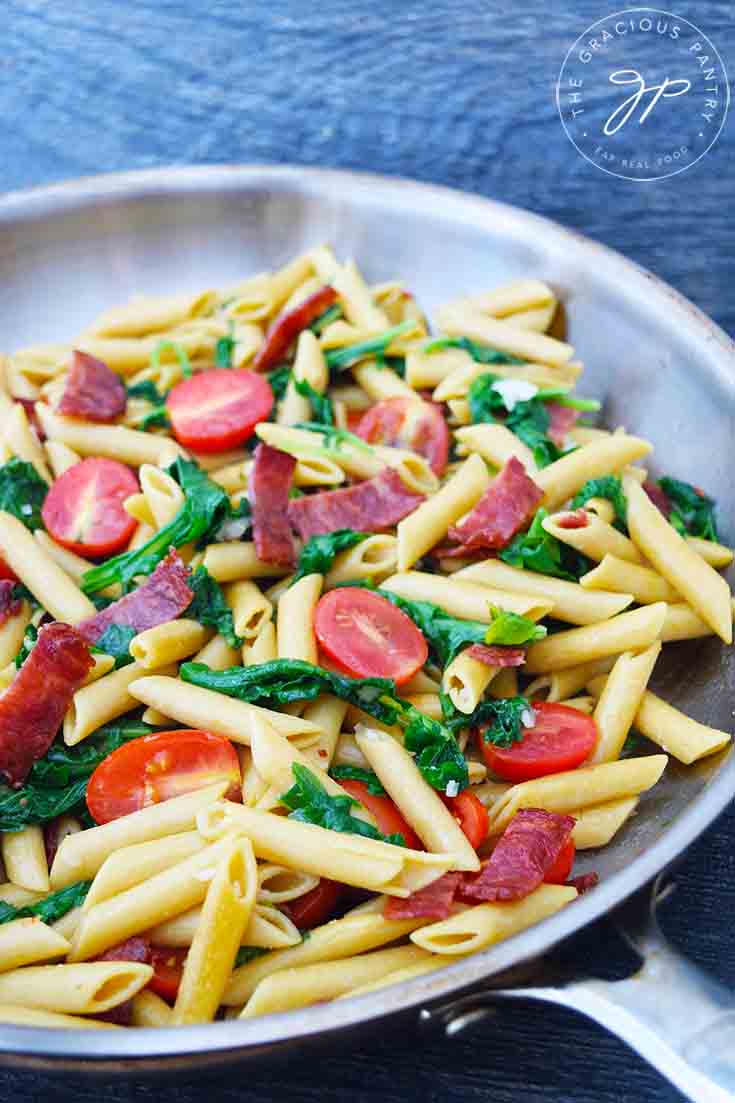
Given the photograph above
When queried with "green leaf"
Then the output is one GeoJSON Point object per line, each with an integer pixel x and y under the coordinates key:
{"type": "Point", "coordinates": [22, 492]}
{"type": "Point", "coordinates": [562, 397]}
{"type": "Point", "coordinates": [157, 418]}
{"type": "Point", "coordinates": [530, 422]}
{"type": "Point", "coordinates": [501, 717]}
{"type": "Point", "coordinates": [438, 756]}
{"type": "Point", "coordinates": [693, 513]}
{"type": "Point", "coordinates": [610, 487]}
{"type": "Point", "coordinates": [209, 607]}
{"type": "Point", "coordinates": [512, 630]}
{"type": "Point", "coordinates": [484, 401]}
{"type": "Point", "coordinates": [50, 909]}
{"type": "Point", "coordinates": [115, 641]}
{"type": "Point", "coordinates": [246, 954]}
{"type": "Point", "coordinates": [29, 640]}
{"type": "Point", "coordinates": [319, 552]}
{"type": "Point", "coordinates": [357, 773]}
{"type": "Point", "coordinates": [481, 353]}
{"type": "Point", "coordinates": [331, 314]}
{"type": "Point", "coordinates": [147, 390]}
{"type": "Point", "coordinates": [179, 352]}
{"type": "Point", "coordinates": [537, 550]}
{"type": "Point", "coordinates": [224, 349]}
{"type": "Point", "coordinates": [446, 635]}
{"type": "Point", "coordinates": [311, 803]}
{"type": "Point", "coordinates": [339, 359]}
{"type": "Point", "coordinates": [278, 379]}
{"type": "Point", "coordinates": [334, 439]}
{"type": "Point", "coordinates": [321, 404]}
{"type": "Point", "coordinates": [205, 508]}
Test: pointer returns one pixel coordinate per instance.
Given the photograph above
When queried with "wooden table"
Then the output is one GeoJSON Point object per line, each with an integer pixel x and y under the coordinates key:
{"type": "Point", "coordinates": [460, 94]}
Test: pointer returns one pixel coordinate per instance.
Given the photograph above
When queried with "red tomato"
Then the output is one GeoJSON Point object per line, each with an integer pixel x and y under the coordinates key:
{"type": "Point", "coordinates": [365, 636]}
{"type": "Point", "coordinates": [388, 818]}
{"type": "Point", "coordinates": [405, 423]}
{"type": "Point", "coordinates": [471, 815]}
{"type": "Point", "coordinates": [561, 739]}
{"type": "Point", "coordinates": [157, 767]}
{"type": "Point", "coordinates": [316, 906]}
{"type": "Point", "coordinates": [354, 417]}
{"type": "Point", "coordinates": [84, 511]}
{"type": "Point", "coordinates": [218, 409]}
{"type": "Point", "coordinates": [6, 572]}
{"type": "Point", "coordinates": [168, 965]}
{"type": "Point", "coordinates": [562, 867]}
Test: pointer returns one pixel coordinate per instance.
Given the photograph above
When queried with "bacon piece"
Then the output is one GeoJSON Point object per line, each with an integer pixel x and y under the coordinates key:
{"type": "Point", "coordinates": [163, 596]}
{"type": "Point", "coordinates": [505, 507]}
{"type": "Point", "coordinates": [658, 496]}
{"type": "Point", "coordinates": [9, 605]}
{"type": "Point", "coordinates": [575, 519]}
{"type": "Point", "coordinates": [92, 390]}
{"type": "Point", "coordinates": [29, 405]}
{"type": "Point", "coordinates": [497, 656]}
{"type": "Point", "coordinates": [287, 327]}
{"type": "Point", "coordinates": [432, 902]}
{"type": "Point", "coordinates": [33, 706]}
{"type": "Point", "coordinates": [369, 506]}
{"type": "Point", "coordinates": [561, 420]}
{"type": "Point", "coordinates": [268, 489]}
{"type": "Point", "coordinates": [522, 857]}
{"type": "Point", "coordinates": [132, 949]}
{"type": "Point", "coordinates": [584, 882]}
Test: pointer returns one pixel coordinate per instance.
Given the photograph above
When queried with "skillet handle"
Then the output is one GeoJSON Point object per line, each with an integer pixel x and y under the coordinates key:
{"type": "Point", "coordinates": [672, 1013]}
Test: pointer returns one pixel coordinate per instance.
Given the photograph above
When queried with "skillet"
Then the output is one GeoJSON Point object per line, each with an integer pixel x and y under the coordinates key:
{"type": "Point", "coordinates": [662, 369]}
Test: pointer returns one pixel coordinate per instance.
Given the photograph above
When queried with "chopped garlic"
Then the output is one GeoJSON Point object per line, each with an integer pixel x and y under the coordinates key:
{"type": "Point", "coordinates": [452, 789]}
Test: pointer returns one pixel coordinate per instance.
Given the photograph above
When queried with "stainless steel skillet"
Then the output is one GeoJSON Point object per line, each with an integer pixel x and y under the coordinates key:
{"type": "Point", "coordinates": [663, 369]}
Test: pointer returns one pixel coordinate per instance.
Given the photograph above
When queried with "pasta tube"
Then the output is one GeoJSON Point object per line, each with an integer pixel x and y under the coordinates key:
{"type": "Point", "coordinates": [632, 631]}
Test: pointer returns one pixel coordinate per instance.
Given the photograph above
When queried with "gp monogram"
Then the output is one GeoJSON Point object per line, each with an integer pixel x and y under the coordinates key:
{"type": "Point", "coordinates": [643, 94]}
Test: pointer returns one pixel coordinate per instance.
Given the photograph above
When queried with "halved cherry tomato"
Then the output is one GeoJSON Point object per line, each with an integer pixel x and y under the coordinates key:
{"type": "Point", "coordinates": [84, 511]}
{"type": "Point", "coordinates": [168, 965]}
{"type": "Point", "coordinates": [354, 417]}
{"type": "Point", "coordinates": [158, 767]}
{"type": "Point", "coordinates": [365, 636]}
{"type": "Point", "coordinates": [406, 423]}
{"type": "Point", "coordinates": [471, 815]}
{"type": "Point", "coordinates": [218, 409]}
{"type": "Point", "coordinates": [561, 739]}
{"type": "Point", "coordinates": [316, 906]}
{"type": "Point", "coordinates": [6, 571]}
{"type": "Point", "coordinates": [562, 867]}
{"type": "Point", "coordinates": [387, 816]}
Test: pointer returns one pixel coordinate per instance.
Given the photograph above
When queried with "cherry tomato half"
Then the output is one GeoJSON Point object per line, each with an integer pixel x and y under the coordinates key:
{"type": "Point", "coordinates": [157, 767]}
{"type": "Point", "coordinates": [407, 423]}
{"type": "Point", "coordinates": [316, 906]}
{"type": "Point", "coordinates": [562, 867]}
{"type": "Point", "coordinates": [561, 739]}
{"type": "Point", "coordinates": [388, 818]}
{"type": "Point", "coordinates": [471, 815]}
{"type": "Point", "coordinates": [7, 572]}
{"type": "Point", "coordinates": [365, 636]}
{"type": "Point", "coordinates": [218, 409]}
{"type": "Point", "coordinates": [168, 965]}
{"type": "Point", "coordinates": [84, 511]}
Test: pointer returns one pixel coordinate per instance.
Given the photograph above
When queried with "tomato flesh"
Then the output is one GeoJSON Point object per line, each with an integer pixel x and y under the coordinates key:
{"type": "Point", "coordinates": [560, 739]}
{"type": "Point", "coordinates": [471, 815]}
{"type": "Point", "coordinates": [168, 965]}
{"type": "Point", "coordinates": [366, 636]}
{"type": "Point", "coordinates": [408, 423]}
{"type": "Point", "coordinates": [316, 906]}
{"type": "Point", "coordinates": [84, 510]}
{"type": "Point", "coordinates": [386, 815]}
{"type": "Point", "coordinates": [158, 767]}
{"type": "Point", "coordinates": [562, 867]}
{"type": "Point", "coordinates": [218, 409]}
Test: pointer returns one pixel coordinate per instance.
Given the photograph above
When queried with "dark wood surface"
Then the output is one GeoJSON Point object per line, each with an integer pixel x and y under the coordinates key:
{"type": "Point", "coordinates": [455, 93]}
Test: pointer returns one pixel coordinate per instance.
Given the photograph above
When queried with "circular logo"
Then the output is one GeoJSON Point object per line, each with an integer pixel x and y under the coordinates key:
{"type": "Point", "coordinates": [643, 94]}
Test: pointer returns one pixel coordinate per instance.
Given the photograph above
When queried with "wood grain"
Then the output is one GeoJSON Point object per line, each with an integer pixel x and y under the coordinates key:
{"type": "Point", "coordinates": [459, 94]}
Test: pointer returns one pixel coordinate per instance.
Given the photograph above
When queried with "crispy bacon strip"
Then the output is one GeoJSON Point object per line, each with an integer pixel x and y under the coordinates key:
{"type": "Point", "coordinates": [522, 857]}
{"type": "Point", "coordinates": [432, 902]}
{"type": "Point", "coordinates": [496, 655]}
{"type": "Point", "coordinates": [29, 405]}
{"type": "Point", "coordinates": [575, 519]}
{"type": "Point", "coordinates": [658, 496]}
{"type": "Point", "coordinates": [92, 390]}
{"type": "Point", "coordinates": [369, 506]}
{"type": "Point", "coordinates": [504, 509]}
{"type": "Point", "coordinates": [584, 882]}
{"type": "Point", "coordinates": [164, 596]}
{"type": "Point", "coordinates": [9, 605]}
{"type": "Point", "coordinates": [268, 490]}
{"type": "Point", "coordinates": [561, 420]}
{"type": "Point", "coordinates": [287, 327]}
{"type": "Point", "coordinates": [132, 949]}
{"type": "Point", "coordinates": [33, 706]}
